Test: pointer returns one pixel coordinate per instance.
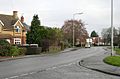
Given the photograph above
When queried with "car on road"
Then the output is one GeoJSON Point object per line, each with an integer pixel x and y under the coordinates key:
{"type": "Point", "coordinates": [87, 45]}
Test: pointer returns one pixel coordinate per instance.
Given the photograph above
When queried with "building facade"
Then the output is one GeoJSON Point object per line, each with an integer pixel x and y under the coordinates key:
{"type": "Point", "coordinates": [13, 29]}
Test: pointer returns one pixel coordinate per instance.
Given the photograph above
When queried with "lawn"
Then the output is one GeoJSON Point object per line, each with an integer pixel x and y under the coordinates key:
{"type": "Point", "coordinates": [112, 60]}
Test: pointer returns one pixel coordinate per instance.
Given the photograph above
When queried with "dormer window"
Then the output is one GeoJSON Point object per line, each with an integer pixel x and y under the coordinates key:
{"type": "Point", "coordinates": [17, 29]}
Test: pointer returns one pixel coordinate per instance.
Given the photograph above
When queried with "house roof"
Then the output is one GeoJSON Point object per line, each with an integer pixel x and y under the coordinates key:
{"type": "Point", "coordinates": [5, 36]}
{"type": "Point", "coordinates": [8, 21]}
{"type": "Point", "coordinates": [26, 26]}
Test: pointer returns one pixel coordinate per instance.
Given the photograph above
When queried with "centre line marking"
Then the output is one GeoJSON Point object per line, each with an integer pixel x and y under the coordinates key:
{"type": "Point", "coordinates": [24, 74]}
{"type": "Point", "coordinates": [13, 77]}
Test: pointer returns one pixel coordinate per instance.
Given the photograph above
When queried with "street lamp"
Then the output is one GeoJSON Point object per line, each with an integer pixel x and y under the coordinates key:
{"type": "Point", "coordinates": [73, 26]}
{"type": "Point", "coordinates": [98, 39]}
{"type": "Point", "coordinates": [111, 27]}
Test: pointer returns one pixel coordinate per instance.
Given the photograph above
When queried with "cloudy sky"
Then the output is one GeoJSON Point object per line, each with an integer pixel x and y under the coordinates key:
{"type": "Point", "coordinates": [96, 13]}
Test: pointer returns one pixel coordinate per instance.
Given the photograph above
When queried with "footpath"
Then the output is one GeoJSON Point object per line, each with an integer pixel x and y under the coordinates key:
{"type": "Point", "coordinates": [31, 56]}
{"type": "Point", "coordinates": [96, 63]}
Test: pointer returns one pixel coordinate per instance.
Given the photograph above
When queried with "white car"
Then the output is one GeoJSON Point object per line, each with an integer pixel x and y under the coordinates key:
{"type": "Point", "coordinates": [87, 45]}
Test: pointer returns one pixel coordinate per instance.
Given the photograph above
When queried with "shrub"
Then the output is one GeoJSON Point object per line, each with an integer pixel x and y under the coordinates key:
{"type": "Point", "coordinates": [4, 47]}
{"type": "Point", "coordinates": [22, 51]}
{"type": "Point", "coordinates": [4, 42]}
{"type": "Point", "coordinates": [54, 49]}
{"type": "Point", "coordinates": [14, 51]}
{"type": "Point", "coordinates": [4, 50]}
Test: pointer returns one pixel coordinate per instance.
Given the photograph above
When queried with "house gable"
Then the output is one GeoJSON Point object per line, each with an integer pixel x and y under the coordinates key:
{"type": "Point", "coordinates": [18, 23]}
{"type": "Point", "coordinates": [1, 23]}
{"type": "Point", "coordinates": [1, 26]}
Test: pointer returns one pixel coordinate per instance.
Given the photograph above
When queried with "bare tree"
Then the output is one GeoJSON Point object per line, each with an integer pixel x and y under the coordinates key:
{"type": "Point", "coordinates": [80, 31]}
{"type": "Point", "coordinates": [106, 35]}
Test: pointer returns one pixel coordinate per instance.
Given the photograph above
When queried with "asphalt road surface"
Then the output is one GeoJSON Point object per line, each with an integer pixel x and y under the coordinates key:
{"type": "Point", "coordinates": [59, 66]}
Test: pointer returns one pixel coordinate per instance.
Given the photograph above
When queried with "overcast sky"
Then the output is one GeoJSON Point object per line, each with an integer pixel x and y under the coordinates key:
{"type": "Point", "coordinates": [96, 13]}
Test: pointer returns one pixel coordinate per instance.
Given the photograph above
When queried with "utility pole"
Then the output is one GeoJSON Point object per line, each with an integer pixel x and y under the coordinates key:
{"type": "Point", "coordinates": [74, 27]}
{"type": "Point", "coordinates": [111, 27]}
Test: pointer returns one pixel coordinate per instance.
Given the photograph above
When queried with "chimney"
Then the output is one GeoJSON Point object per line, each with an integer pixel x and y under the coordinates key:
{"type": "Point", "coordinates": [22, 19]}
{"type": "Point", "coordinates": [15, 14]}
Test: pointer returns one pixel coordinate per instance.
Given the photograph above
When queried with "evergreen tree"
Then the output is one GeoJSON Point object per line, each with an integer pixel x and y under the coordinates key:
{"type": "Point", "coordinates": [94, 34]}
{"type": "Point", "coordinates": [43, 36]}
{"type": "Point", "coordinates": [33, 36]}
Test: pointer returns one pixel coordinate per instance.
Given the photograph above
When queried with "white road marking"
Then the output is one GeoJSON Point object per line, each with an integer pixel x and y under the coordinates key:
{"type": "Point", "coordinates": [70, 64]}
{"type": "Point", "coordinates": [53, 67]}
{"type": "Point", "coordinates": [13, 77]}
{"type": "Point", "coordinates": [65, 65]}
{"type": "Point", "coordinates": [48, 68]}
{"type": "Point", "coordinates": [24, 74]}
{"type": "Point", "coordinates": [60, 66]}
{"type": "Point", "coordinates": [32, 73]}
{"type": "Point", "coordinates": [36, 72]}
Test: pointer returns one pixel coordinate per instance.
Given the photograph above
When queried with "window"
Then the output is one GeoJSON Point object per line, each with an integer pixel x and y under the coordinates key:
{"type": "Point", "coordinates": [17, 29]}
{"type": "Point", "coordinates": [17, 41]}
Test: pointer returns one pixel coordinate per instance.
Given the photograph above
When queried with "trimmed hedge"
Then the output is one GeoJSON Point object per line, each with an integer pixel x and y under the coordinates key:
{"type": "Point", "coordinates": [33, 50]}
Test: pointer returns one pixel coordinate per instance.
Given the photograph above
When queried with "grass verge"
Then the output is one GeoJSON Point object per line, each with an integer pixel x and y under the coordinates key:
{"type": "Point", "coordinates": [113, 60]}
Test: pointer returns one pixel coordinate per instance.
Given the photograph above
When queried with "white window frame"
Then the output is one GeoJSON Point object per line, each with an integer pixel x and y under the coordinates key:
{"type": "Point", "coordinates": [17, 41]}
{"type": "Point", "coordinates": [17, 29]}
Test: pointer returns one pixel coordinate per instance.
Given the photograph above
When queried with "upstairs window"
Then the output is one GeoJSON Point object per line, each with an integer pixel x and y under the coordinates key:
{"type": "Point", "coordinates": [17, 29]}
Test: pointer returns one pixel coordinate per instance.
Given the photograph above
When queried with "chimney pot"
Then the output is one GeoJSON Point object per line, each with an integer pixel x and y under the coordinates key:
{"type": "Point", "coordinates": [15, 15]}
{"type": "Point", "coordinates": [22, 19]}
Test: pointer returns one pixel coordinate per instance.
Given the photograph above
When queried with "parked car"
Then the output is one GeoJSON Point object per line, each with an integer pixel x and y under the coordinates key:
{"type": "Point", "coordinates": [87, 45]}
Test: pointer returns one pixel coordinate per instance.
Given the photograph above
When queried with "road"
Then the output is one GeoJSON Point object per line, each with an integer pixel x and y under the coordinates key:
{"type": "Point", "coordinates": [59, 66]}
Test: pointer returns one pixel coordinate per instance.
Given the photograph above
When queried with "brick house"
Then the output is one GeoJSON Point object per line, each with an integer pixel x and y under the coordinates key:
{"type": "Point", "coordinates": [97, 41]}
{"type": "Point", "coordinates": [13, 29]}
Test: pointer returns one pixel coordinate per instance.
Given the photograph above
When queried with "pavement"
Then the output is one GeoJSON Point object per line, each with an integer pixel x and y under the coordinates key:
{"type": "Point", "coordinates": [31, 56]}
{"type": "Point", "coordinates": [96, 63]}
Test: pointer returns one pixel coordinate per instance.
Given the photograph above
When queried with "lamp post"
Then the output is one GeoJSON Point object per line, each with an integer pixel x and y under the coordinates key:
{"type": "Point", "coordinates": [73, 27]}
{"type": "Point", "coordinates": [98, 39]}
{"type": "Point", "coordinates": [111, 27]}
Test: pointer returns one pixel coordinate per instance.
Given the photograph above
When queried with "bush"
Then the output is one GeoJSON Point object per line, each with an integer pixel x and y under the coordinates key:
{"type": "Point", "coordinates": [4, 50]}
{"type": "Point", "coordinates": [14, 51]}
{"type": "Point", "coordinates": [4, 42]}
{"type": "Point", "coordinates": [8, 50]}
{"type": "Point", "coordinates": [22, 51]}
{"type": "Point", "coordinates": [54, 49]}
